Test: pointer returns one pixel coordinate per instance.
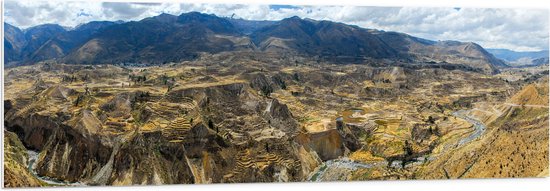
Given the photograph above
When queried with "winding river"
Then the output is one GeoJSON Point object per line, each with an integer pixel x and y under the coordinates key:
{"type": "Point", "coordinates": [339, 169]}
{"type": "Point", "coordinates": [479, 127]}
{"type": "Point", "coordinates": [33, 157]}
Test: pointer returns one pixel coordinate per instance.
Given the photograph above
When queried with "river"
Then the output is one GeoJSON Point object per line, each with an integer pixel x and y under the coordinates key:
{"type": "Point", "coordinates": [33, 157]}
{"type": "Point", "coordinates": [339, 169]}
{"type": "Point", "coordinates": [479, 127]}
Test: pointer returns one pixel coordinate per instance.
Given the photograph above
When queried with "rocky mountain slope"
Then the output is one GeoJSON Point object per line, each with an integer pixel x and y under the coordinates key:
{"type": "Point", "coordinates": [324, 39]}
{"type": "Point", "coordinates": [44, 42]}
{"type": "Point", "coordinates": [14, 40]}
{"type": "Point", "coordinates": [62, 44]}
{"type": "Point", "coordinates": [443, 51]}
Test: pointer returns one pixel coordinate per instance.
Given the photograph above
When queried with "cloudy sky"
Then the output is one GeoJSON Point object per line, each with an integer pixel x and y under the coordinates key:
{"type": "Point", "coordinates": [516, 29]}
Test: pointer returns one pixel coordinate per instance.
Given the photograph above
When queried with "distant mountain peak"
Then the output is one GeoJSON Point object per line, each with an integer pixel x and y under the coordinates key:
{"type": "Point", "coordinates": [92, 25]}
{"type": "Point", "coordinates": [198, 15]}
{"type": "Point", "coordinates": [47, 26]}
{"type": "Point", "coordinates": [165, 14]}
{"type": "Point", "coordinates": [9, 25]}
{"type": "Point", "coordinates": [208, 21]}
{"type": "Point", "coordinates": [294, 18]}
{"type": "Point", "coordinates": [163, 17]}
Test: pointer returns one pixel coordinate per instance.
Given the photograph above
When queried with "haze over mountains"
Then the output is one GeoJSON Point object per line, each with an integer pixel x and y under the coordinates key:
{"type": "Point", "coordinates": [527, 58]}
{"type": "Point", "coordinates": [168, 38]}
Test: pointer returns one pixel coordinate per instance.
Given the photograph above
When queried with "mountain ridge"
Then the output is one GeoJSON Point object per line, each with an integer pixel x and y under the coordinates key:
{"type": "Point", "coordinates": [170, 38]}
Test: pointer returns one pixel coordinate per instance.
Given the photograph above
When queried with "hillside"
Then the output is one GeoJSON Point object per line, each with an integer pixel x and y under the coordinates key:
{"type": "Point", "coordinates": [62, 44]}
{"type": "Point", "coordinates": [443, 51]}
{"type": "Point", "coordinates": [160, 39]}
{"type": "Point", "coordinates": [532, 94]}
{"type": "Point", "coordinates": [322, 38]}
{"type": "Point", "coordinates": [14, 40]}
{"type": "Point", "coordinates": [515, 143]}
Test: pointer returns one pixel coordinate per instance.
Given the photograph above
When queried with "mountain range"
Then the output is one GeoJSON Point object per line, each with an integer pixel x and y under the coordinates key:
{"type": "Point", "coordinates": [510, 55]}
{"type": "Point", "coordinates": [169, 38]}
{"type": "Point", "coordinates": [524, 58]}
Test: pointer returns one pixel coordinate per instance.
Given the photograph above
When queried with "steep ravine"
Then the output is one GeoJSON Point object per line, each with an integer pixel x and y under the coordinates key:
{"type": "Point", "coordinates": [65, 152]}
{"type": "Point", "coordinates": [33, 157]}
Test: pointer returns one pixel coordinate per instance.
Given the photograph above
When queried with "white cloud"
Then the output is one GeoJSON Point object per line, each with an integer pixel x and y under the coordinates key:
{"type": "Point", "coordinates": [517, 29]}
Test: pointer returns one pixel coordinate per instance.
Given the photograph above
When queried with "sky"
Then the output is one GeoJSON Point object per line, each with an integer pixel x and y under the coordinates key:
{"type": "Point", "coordinates": [514, 29]}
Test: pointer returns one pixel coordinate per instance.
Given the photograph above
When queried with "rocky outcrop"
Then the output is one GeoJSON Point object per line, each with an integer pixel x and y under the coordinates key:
{"type": "Point", "coordinates": [33, 130]}
{"type": "Point", "coordinates": [280, 117]}
{"type": "Point", "coordinates": [262, 84]}
{"type": "Point", "coordinates": [327, 144]}
{"type": "Point", "coordinates": [350, 139]}
{"type": "Point", "coordinates": [69, 155]}
{"type": "Point", "coordinates": [149, 159]}
{"type": "Point", "coordinates": [119, 105]}
{"type": "Point", "coordinates": [421, 132]}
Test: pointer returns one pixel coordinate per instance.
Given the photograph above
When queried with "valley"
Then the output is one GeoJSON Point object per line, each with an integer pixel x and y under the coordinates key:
{"type": "Point", "coordinates": [197, 98]}
{"type": "Point", "coordinates": [261, 117]}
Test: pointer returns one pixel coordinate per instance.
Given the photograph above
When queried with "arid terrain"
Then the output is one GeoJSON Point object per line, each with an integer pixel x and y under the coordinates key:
{"type": "Point", "coordinates": [260, 117]}
{"type": "Point", "coordinates": [197, 99]}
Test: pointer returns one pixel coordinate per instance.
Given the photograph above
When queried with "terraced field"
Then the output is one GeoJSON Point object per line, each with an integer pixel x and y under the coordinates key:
{"type": "Point", "coordinates": [269, 121]}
